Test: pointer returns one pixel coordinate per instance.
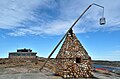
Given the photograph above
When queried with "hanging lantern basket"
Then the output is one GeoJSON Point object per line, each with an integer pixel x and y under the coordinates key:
{"type": "Point", "coordinates": [102, 21]}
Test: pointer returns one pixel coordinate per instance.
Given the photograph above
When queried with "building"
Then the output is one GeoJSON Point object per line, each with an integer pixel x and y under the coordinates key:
{"type": "Point", "coordinates": [23, 53]}
{"type": "Point", "coordinates": [73, 60]}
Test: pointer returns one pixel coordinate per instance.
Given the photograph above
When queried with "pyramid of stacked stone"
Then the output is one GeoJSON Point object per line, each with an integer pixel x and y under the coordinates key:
{"type": "Point", "coordinates": [73, 60]}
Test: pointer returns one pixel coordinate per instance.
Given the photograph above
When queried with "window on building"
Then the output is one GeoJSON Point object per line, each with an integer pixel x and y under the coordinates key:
{"type": "Point", "coordinates": [32, 54]}
{"type": "Point", "coordinates": [78, 60]}
{"type": "Point", "coordinates": [23, 54]}
{"type": "Point", "coordinates": [15, 54]}
{"type": "Point", "coordinates": [18, 54]}
{"type": "Point", "coordinates": [28, 54]}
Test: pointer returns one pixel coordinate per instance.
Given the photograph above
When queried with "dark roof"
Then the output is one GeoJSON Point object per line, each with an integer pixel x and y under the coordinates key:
{"type": "Point", "coordinates": [24, 50]}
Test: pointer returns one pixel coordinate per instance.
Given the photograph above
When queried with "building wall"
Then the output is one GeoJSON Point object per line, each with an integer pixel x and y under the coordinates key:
{"type": "Point", "coordinates": [22, 55]}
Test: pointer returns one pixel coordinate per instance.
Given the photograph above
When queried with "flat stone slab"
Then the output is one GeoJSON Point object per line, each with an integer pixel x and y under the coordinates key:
{"type": "Point", "coordinates": [42, 75]}
{"type": "Point", "coordinates": [32, 73]}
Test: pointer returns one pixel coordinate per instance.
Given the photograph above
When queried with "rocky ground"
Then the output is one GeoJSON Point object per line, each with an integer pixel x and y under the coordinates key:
{"type": "Point", "coordinates": [30, 70]}
{"type": "Point", "coordinates": [34, 73]}
{"type": "Point", "coordinates": [26, 73]}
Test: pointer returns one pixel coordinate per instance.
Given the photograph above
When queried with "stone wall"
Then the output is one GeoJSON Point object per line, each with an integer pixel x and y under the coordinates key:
{"type": "Point", "coordinates": [73, 60]}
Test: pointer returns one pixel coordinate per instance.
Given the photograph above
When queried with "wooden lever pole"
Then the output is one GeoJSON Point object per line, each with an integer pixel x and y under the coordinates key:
{"type": "Point", "coordinates": [65, 35]}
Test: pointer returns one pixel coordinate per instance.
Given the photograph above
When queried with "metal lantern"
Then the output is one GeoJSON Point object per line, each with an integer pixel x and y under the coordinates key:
{"type": "Point", "coordinates": [102, 21]}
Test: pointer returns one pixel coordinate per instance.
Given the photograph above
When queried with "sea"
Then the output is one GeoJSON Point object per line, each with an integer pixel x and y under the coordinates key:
{"type": "Point", "coordinates": [105, 67]}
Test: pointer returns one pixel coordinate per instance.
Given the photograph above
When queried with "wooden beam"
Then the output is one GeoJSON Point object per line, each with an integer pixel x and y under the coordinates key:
{"type": "Point", "coordinates": [65, 35]}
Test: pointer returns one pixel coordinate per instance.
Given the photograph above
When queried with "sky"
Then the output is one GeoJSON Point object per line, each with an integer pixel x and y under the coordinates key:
{"type": "Point", "coordinates": [40, 24]}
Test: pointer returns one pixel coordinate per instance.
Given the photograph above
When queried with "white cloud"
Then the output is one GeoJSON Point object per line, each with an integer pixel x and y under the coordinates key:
{"type": "Point", "coordinates": [55, 17]}
{"type": "Point", "coordinates": [13, 12]}
{"type": "Point", "coordinates": [56, 27]}
{"type": "Point", "coordinates": [21, 32]}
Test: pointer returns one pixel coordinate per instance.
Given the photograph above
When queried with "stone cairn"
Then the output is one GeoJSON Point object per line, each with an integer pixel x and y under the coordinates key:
{"type": "Point", "coordinates": [72, 60]}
